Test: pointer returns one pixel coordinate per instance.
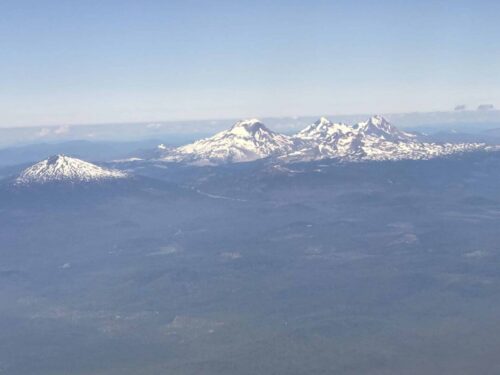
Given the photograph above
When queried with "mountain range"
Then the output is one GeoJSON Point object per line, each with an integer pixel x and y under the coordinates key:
{"type": "Point", "coordinates": [249, 140]}
{"type": "Point", "coordinates": [374, 139]}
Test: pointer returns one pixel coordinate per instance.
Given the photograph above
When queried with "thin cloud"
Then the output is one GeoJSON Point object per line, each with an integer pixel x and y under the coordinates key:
{"type": "Point", "coordinates": [64, 129]}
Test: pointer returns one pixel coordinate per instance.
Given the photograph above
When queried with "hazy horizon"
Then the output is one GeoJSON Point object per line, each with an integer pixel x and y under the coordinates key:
{"type": "Point", "coordinates": [492, 112]}
{"type": "Point", "coordinates": [178, 132]}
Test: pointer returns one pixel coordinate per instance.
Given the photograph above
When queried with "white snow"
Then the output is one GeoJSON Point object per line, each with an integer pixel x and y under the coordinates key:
{"type": "Point", "coordinates": [67, 169]}
{"type": "Point", "coordinates": [245, 141]}
{"type": "Point", "coordinates": [374, 139]}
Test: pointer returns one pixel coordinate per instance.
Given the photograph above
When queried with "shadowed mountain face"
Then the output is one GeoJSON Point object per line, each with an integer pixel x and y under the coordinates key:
{"type": "Point", "coordinates": [310, 268]}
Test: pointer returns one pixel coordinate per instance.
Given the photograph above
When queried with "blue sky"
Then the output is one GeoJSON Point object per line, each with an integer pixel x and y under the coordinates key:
{"type": "Point", "coordinates": [70, 62]}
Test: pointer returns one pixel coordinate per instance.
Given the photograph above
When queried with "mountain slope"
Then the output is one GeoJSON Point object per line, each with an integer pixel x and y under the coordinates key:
{"type": "Point", "coordinates": [245, 141]}
{"type": "Point", "coordinates": [61, 168]}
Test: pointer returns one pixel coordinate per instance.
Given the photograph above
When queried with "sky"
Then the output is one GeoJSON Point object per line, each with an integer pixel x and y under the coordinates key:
{"type": "Point", "coordinates": [81, 62]}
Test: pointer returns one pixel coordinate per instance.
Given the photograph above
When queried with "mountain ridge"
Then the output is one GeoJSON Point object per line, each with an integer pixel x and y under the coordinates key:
{"type": "Point", "coordinates": [374, 139]}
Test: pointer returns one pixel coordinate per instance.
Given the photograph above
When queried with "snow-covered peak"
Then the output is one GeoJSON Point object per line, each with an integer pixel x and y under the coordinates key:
{"type": "Point", "coordinates": [375, 122]}
{"type": "Point", "coordinates": [249, 124]}
{"type": "Point", "coordinates": [248, 128]}
{"type": "Point", "coordinates": [322, 129]}
{"type": "Point", "coordinates": [61, 168]}
{"type": "Point", "coordinates": [378, 126]}
{"type": "Point", "coordinates": [374, 139]}
{"type": "Point", "coordinates": [246, 140]}
{"type": "Point", "coordinates": [378, 120]}
{"type": "Point", "coordinates": [323, 121]}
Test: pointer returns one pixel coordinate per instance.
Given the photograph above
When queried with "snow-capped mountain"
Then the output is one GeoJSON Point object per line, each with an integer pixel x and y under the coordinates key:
{"type": "Point", "coordinates": [323, 129]}
{"type": "Point", "coordinates": [323, 139]}
{"type": "Point", "coordinates": [375, 139]}
{"type": "Point", "coordinates": [246, 140]}
{"type": "Point", "coordinates": [378, 127]}
{"type": "Point", "coordinates": [61, 168]}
